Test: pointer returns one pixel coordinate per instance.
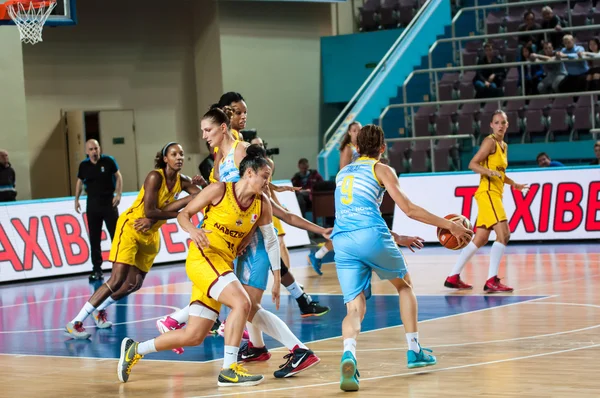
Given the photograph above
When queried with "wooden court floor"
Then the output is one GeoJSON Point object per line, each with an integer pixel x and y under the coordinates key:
{"type": "Point", "coordinates": [545, 344]}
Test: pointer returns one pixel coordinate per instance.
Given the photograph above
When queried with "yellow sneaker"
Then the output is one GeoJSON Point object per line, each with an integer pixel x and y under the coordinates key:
{"type": "Point", "coordinates": [236, 376]}
{"type": "Point", "coordinates": [129, 357]}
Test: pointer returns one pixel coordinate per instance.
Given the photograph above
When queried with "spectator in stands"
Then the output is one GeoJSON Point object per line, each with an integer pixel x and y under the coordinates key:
{"type": "Point", "coordinates": [597, 153]}
{"type": "Point", "coordinates": [207, 164]}
{"type": "Point", "coordinates": [543, 160]}
{"type": "Point", "coordinates": [8, 187]}
{"type": "Point", "coordinates": [555, 72]}
{"type": "Point", "coordinates": [533, 72]}
{"type": "Point", "coordinates": [576, 71]}
{"type": "Point", "coordinates": [551, 21]}
{"type": "Point", "coordinates": [530, 40]}
{"type": "Point", "coordinates": [306, 178]}
{"type": "Point", "coordinates": [593, 76]}
{"type": "Point", "coordinates": [488, 81]}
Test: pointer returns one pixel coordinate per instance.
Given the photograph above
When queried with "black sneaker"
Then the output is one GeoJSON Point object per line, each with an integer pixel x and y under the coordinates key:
{"type": "Point", "coordinates": [215, 328]}
{"type": "Point", "coordinates": [96, 276]}
{"type": "Point", "coordinates": [298, 360]}
{"type": "Point", "coordinates": [308, 307]}
{"type": "Point", "coordinates": [249, 353]}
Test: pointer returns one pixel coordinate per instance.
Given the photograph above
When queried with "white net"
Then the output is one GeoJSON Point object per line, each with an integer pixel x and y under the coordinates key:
{"type": "Point", "coordinates": [30, 18]}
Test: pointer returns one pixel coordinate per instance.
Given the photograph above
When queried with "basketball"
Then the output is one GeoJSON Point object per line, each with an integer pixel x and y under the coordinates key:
{"type": "Point", "coordinates": [448, 240]}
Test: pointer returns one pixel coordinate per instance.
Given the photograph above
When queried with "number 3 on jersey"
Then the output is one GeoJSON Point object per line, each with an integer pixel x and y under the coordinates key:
{"type": "Point", "coordinates": [346, 189]}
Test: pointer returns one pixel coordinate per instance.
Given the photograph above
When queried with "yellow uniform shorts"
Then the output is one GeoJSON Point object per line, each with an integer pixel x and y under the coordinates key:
{"type": "Point", "coordinates": [134, 248]}
{"type": "Point", "coordinates": [278, 226]}
{"type": "Point", "coordinates": [491, 210]}
{"type": "Point", "coordinates": [204, 268]}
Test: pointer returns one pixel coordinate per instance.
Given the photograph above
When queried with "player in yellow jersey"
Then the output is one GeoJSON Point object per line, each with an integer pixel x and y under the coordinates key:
{"type": "Point", "coordinates": [133, 251]}
{"type": "Point", "coordinates": [233, 211]}
{"type": "Point", "coordinates": [491, 161]}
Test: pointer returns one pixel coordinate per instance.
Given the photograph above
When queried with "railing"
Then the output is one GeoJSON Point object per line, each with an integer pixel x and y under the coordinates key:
{"type": "Point", "coordinates": [378, 68]}
{"type": "Point", "coordinates": [499, 100]}
{"type": "Point", "coordinates": [478, 8]}
{"type": "Point", "coordinates": [594, 133]}
{"type": "Point", "coordinates": [432, 138]}
{"type": "Point", "coordinates": [522, 64]}
{"type": "Point", "coordinates": [499, 36]}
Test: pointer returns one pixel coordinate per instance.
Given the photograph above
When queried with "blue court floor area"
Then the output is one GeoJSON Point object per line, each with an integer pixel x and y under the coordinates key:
{"type": "Point", "coordinates": [33, 316]}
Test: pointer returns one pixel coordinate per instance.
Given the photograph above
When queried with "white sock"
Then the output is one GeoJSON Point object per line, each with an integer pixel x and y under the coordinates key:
{"type": "Point", "coordinates": [295, 290]}
{"type": "Point", "coordinates": [182, 315]}
{"type": "Point", "coordinates": [255, 335]}
{"type": "Point", "coordinates": [84, 313]}
{"type": "Point", "coordinates": [495, 256]}
{"type": "Point", "coordinates": [146, 347]}
{"type": "Point", "coordinates": [276, 328]}
{"type": "Point", "coordinates": [350, 345]}
{"type": "Point", "coordinates": [413, 342]}
{"type": "Point", "coordinates": [108, 302]}
{"type": "Point", "coordinates": [464, 257]}
{"type": "Point", "coordinates": [231, 354]}
{"type": "Point", "coordinates": [322, 252]}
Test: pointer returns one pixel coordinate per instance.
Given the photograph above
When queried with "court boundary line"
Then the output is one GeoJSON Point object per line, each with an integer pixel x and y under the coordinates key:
{"type": "Point", "coordinates": [283, 348]}
{"type": "Point", "coordinates": [418, 372]}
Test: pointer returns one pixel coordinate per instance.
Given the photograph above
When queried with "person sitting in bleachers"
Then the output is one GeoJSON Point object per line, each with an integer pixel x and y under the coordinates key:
{"type": "Point", "coordinates": [552, 21]}
{"type": "Point", "coordinates": [543, 160]}
{"type": "Point", "coordinates": [533, 72]}
{"type": "Point", "coordinates": [555, 72]}
{"type": "Point", "coordinates": [530, 40]}
{"type": "Point", "coordinates": [593, 75]}
{"type": "Point", "coordinates": [576, 71]}
{"type": "Point", "coordinates": [597, 153]}
{"type": "Point", "coordinates": [488, 81]}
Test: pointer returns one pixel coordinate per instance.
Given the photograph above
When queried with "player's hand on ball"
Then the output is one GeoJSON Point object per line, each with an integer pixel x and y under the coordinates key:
{"type": "Point", "coordinates": [198, 236]}
{"type": "Point", "coordinates": [409, 241]}
{"type": "Point", "coordinates": [461, 233]}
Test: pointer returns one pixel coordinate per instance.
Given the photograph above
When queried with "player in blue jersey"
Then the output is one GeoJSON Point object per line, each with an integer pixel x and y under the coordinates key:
{"type": "Point", "coordinates": [363, 243]}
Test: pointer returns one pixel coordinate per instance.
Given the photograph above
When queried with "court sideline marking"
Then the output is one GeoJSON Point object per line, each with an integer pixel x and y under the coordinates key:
{"type": "Point", "coordinates": [471, 365]}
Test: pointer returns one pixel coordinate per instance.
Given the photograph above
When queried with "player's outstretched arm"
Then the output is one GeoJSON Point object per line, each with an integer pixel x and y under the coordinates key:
{"type": "Point", "coordinates": [387, 176]}
{"type": "Point", "coordinates": [298, 222]}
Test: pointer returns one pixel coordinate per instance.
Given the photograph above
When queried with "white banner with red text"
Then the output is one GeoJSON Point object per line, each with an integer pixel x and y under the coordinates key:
{"type": "Point", "coordinates": [561, 204]}
{"type": "Point", "coordinates": [48, 238]}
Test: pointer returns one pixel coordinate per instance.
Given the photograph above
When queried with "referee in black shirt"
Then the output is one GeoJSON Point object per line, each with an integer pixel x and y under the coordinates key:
{"type": "Point", "coordinates": [102, 179]}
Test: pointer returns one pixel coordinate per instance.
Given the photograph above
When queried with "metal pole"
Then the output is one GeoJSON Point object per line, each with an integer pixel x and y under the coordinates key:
{"type": "Point", "coordinates": [437, 87]}
{"type": "Point", "coordinates": [569, 12]}
{"type": "Point", "coordinates": [523, 80]}
{"type": "Point", "coordinates": [431, 154]}
{"type": "Point", "coordinates": [412, 120]}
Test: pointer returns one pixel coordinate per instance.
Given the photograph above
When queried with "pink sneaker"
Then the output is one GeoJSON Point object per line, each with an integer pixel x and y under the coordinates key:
{"type": "Point", "coordinates": [167, 324]}
{"type": "Point", "coordinates": [221, 332]}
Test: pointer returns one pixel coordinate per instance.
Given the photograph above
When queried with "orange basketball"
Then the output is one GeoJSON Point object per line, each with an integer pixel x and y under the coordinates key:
{"type": "Point", "coordinates": [448, 240]}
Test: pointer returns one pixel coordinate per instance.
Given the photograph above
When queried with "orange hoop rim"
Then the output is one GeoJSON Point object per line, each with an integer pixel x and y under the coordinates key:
{"type": "Point", "coordinates": [35, 3]}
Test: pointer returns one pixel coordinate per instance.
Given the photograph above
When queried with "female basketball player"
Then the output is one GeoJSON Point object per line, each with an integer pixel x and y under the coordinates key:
{"type": "Point", "coordinates": [348, 154]}
{"type": "Point", "coordinates": [215, 126]}
{"type": "Point", "coordinates": [491, 162]}
{"type": "Point", "coordinates": [364, 244]}
{"type": "Point", "coordinates": [233, 210]}
{"type": "Point", "coordinates": [232, 151]}
{"type": "Point", "coordinates": [133, 251]}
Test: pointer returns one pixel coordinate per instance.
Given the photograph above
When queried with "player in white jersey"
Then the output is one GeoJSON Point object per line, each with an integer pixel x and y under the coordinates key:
{"type": "Point", "coordinates": [364, 244]}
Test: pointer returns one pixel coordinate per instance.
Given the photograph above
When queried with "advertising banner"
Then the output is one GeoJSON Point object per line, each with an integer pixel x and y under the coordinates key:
{"type": "Point", "coordinates": [561, 203]}
{"type": "Point", "coordinates": [49, 238]}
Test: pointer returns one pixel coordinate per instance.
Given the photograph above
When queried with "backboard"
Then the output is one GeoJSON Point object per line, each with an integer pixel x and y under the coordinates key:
{"type": "Point", "coordinates": [63, 14]}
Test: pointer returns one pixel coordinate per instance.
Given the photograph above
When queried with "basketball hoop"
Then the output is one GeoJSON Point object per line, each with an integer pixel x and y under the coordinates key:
{"type": "Point", "coordinates": [29, 16]}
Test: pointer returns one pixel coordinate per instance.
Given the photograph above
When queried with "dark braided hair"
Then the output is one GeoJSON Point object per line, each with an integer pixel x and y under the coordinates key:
{"type": "Point", "coordinates": [370, 140]}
